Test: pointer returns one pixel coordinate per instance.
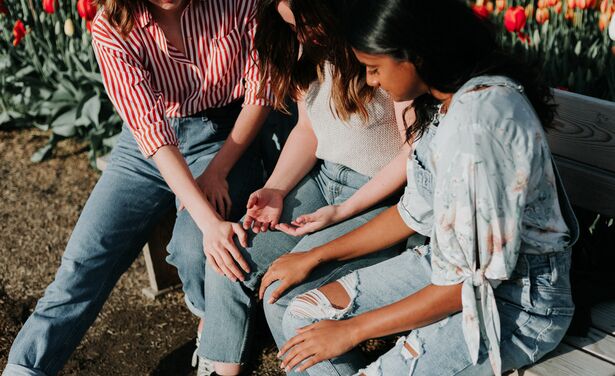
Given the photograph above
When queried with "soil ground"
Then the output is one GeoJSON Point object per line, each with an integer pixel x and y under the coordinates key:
{"type": "Point", "coordinates": [40, 204]}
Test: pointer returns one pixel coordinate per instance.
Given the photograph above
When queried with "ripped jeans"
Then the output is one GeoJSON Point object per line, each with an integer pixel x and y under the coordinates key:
{"type": "Point", "coordinates": [535, 308]}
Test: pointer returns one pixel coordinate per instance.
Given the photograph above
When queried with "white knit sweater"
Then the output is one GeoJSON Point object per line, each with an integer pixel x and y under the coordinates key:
{"type": "Point", "coordinates": [365, 147]}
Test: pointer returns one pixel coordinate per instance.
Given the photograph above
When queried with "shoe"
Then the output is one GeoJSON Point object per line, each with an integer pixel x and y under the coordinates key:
{"type": "Point", "coordinates": [205, 367]}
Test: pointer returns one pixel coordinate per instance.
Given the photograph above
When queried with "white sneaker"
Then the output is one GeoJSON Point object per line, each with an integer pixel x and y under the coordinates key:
{"type": "Point", "coordinates": [205, 367]}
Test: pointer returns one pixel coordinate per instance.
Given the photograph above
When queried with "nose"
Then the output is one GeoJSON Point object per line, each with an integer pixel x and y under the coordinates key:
{"type": "Point", "coordinates": [371, 80]}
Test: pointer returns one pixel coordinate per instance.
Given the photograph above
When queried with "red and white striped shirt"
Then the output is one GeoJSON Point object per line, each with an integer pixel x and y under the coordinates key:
{"type": "Point", "coordinates": [150, 81]}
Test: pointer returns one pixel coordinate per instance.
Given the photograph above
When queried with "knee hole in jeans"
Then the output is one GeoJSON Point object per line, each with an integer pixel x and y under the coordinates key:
{"type": "Point", "coordinates": [332, 301]}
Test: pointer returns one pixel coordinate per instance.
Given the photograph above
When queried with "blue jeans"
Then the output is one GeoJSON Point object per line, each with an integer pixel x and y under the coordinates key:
{"type": "Point", "coordinates": [128, 200]}
{"type": "Point", "coordinates": [535, 308]}
{"type": "Point", "coordinates": [230, 305]}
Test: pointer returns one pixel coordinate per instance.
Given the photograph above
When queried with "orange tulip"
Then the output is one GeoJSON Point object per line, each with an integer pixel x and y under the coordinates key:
{"type": "Point", "coordinates": [542, 16]}
{"type": "Point", "coordinates": [500, 5]}
{"type": "Point", "coordinates": [603, 21]}
{"type": "Point", "coordinates": [481, 11]}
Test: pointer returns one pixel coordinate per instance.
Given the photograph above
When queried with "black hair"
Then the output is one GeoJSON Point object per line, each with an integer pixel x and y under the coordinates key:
{"type": "Point", "coordinates": [448, 44]}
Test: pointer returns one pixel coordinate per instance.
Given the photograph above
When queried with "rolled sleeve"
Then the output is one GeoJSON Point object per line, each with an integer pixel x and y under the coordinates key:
{"type": "Point", "coordinates": [128, 86]}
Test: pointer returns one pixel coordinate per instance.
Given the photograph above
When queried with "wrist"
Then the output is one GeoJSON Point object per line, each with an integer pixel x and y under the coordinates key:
{"type": "Point", "coordinates": [276, 188]}
{"type": "Point", "coordinates": [317, 257]}
{"type": "Point", "coordinates": [344, 211]}
{"type": "Point", "coordinates": [355, 330]}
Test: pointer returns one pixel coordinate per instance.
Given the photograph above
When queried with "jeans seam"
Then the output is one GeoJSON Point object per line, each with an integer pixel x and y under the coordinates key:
{"type": "Point", "coordinates": [539, 339]}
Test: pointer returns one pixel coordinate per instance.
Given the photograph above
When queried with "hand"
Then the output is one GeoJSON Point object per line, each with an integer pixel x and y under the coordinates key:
{"type": "Point", "coordinates": [264, 210]}
{"type": "Point", "coordinates": [222, 253]}
{"type": "Point", "coordinates": [290, 269]}
{"type": "Point", "coordinates": [308, 223]}
{"type": "Point", "coordinates": [317, 342]}
{"type": "Point", "coordinates": [215, 187]}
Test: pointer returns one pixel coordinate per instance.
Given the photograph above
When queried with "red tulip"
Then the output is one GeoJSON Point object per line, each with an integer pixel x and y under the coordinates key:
{"type": "Point", "coordinates": [86, 9]}
{"type": "Point", "coordinates": [19, 31]}
{"type": "Point", "coordinates": [481, 11]}
{"type": "Point", "coordinates": [3, 8]}
{"type": "Point", "coordinates": [49, 6]}
{"type": "Point", "coordinates": [515, 19]}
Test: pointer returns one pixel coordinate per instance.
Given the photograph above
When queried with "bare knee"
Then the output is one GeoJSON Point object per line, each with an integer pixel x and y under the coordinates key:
{"type": "Point", "coordinates": [331, 301]}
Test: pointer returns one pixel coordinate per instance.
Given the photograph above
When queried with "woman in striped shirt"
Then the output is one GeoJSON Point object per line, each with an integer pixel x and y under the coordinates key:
{"type": "Point", "coordinates": [178, 73]}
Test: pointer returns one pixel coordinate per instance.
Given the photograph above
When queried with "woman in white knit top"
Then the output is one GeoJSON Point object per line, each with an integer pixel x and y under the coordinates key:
{"type": "Point", "coordinates": [343, 163]}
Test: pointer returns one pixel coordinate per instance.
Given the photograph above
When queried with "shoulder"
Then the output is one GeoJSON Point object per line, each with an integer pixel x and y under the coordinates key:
{"type": "Point", "coordinates": [494, 114]}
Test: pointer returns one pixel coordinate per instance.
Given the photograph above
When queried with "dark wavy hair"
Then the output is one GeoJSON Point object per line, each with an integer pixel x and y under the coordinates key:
{"type": "Point", "coordinates": [292, 59]}
{"type": "Point", "coordinates": [448, 44]}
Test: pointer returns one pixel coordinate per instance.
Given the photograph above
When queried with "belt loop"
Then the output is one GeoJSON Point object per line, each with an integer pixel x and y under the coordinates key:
{"type": "Point", "coordinates": [554, 268]}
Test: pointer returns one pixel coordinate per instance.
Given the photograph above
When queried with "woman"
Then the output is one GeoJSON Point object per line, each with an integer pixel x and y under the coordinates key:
{"type": "Point", "coordinates": [491, 291]}
{"type": "Point", "coordinates": [178, 72]}
{"type": "Point", "coordinates": [342, 159]}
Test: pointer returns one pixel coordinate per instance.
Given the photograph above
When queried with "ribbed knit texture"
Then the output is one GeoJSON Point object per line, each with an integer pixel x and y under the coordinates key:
{"type": "Point", "coordinates": [365, 147]}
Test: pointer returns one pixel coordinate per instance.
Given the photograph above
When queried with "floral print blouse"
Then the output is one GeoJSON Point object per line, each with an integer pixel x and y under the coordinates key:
{"type": "Point", "coordinates": [482, 186]}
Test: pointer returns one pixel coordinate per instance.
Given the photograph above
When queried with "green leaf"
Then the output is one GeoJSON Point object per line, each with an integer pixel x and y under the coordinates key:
{"type": "Point", "coordinates": [42, 153]}
{"type": "Point", "coordinates": [64, 125]}
{"type": "Point", "coordinates": [91, 110]}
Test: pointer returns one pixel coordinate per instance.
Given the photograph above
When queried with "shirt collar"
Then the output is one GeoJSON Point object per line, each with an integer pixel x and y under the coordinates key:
{"type": "Point", "coordinates": [144, 16]}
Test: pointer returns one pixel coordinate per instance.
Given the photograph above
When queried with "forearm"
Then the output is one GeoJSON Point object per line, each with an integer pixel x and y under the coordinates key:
{"type": "Point", "coordinates": [426, 306]}
{"type": "Point", "coordinates": [388, 181]}
{"type": "Point", "coordinates": [383, 231]}
{"type": "Point", "coordinates": [298, 157]}
{"type": "Point", "coordinates": [247, 126]}
{"type": "Point", "coordinates": [174, 170]}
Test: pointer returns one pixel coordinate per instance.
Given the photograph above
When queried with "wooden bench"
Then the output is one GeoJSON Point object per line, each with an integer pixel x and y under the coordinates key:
{"type": "Point", "coordinates": [584, 149]}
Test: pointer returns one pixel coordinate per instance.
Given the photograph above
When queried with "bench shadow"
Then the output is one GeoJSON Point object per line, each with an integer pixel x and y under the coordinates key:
{"type": "Point", "coordinates": [176, 362]}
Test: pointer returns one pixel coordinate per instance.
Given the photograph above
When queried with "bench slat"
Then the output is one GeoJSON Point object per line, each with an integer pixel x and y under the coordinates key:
{"type": "Point", "coordinates": [603, 316]}
{"type": "Point", "coordinates": [584, 130]}
{"type": "Point", "coordinates": [588, 187]}
{"type": "Point", "coordinates": [597, 343]}
{"type": "Point", "coordinates": [568, 361]}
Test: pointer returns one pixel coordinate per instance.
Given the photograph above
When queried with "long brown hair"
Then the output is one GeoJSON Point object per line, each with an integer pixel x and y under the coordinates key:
{"type": "Point", "coordinates": [120, 13]}
{"type": "Point", "coordinates": [292, 60]}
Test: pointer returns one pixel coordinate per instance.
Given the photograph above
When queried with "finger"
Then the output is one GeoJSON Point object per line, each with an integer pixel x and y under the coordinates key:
{"type": "Point", "coordinates": [256, 226]}
{"type": "Point", "coordinates": [310, 362]}
{"type": "Point", "coordinates": [220, 205]}
{"type": "Point", "coordinates": [306, 328]}
{"type": "Point", "coordinates": [285, 228]}
{"type": "Point", "coordinates": [296, 355]}
{"type": "Point", "coordinates": [247, 222]}
{"type": "Point", "coordinates": [264, 227]}
{"type": "Point", "coordinates": [214, 264]}
{"type": "Point", "coordinates": [252, 201]}
{"type": "Point", "coordinates": [274, 223]}
{"type": "Point", "coordinates": [278, 292]}
{"type": "Point", "coordinates": [290, 344]}
{"type": "Point", "coordinates": [266, 281]}
{"type": "Point", "coordinates": [228, 203]}
{"type": "Point", "coordinates": [230, 263]}
{"type": "Point", "coordinates": [242, 235]}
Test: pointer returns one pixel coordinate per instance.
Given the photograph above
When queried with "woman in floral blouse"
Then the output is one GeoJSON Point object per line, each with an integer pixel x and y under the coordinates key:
{"type": "Point", "coordinates": [490, 292]}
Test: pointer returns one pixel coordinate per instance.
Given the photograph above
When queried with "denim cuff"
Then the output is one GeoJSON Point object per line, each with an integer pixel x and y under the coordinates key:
{"type": "Point", "coordinates": [17, 370]}
{"type": "Point", "coordinates": [195, 311]}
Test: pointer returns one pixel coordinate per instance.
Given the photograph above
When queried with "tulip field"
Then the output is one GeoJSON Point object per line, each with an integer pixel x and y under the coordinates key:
{"type": "Point", "coordinates": [49, 77]}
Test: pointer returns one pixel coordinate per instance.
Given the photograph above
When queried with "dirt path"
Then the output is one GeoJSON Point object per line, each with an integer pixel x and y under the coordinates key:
{"type": "Point", "coordinates": [39, 206]}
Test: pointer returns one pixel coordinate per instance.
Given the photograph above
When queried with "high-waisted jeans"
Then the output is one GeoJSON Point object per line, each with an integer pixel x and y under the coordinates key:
{"type": "Point", "coordinates": [128, 200]}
